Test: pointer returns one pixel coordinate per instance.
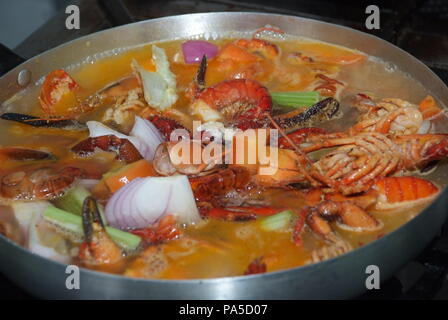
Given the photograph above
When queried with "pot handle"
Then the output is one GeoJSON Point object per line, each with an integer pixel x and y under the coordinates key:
{"type": "Point", "coordinates": [8, 59]}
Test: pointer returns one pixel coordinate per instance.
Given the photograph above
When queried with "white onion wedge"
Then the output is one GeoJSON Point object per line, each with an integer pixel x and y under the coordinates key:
{"type": "Point", "coordinates": [29, 216]}
{"type": "Point", "coordinates": [36, 246]}
{"type": "Point", "coordinates": [24, 211]}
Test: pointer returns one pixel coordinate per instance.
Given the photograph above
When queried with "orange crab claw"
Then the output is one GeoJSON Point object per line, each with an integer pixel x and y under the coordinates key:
{"type": "Point", "coordinates": [349, 216]}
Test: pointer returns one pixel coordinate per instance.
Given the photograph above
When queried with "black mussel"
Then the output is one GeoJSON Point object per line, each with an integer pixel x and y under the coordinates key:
{"type": "Point", "coordinates": [22, 154]}
{"type": "Point", "coordinates": [34, 121]}
{"type": "Point", "coordinates": [322, 111]}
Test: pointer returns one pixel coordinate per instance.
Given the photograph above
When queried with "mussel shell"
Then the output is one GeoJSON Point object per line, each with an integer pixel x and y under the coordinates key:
{"type": "Point", "coordinates": [23, 154]}
{"type": "Point", "coordinates": [322, 111]}
{"type": "Point", "coordinates": [66, 124]}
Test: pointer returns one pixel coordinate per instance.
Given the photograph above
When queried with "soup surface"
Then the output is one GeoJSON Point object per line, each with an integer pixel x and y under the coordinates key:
{"type": "Point", "coordinates": [94, 178]}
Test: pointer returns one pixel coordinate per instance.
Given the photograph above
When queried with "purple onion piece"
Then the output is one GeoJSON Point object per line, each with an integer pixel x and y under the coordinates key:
{"type": "Point", "coordinates": [194, 50]}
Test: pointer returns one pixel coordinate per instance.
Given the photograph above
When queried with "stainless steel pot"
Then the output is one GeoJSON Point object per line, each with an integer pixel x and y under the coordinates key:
{"type": "Point", "coordinates": [342, 277]}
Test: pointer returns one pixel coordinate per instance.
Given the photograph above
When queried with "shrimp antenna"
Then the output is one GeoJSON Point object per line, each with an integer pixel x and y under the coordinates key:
{"type": "Point", "coordinates": [283, 133]}
{"type": "Point", "coordinates": [296, 149]}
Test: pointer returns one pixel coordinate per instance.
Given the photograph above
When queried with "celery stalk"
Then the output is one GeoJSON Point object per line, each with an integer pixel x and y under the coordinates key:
{"type": "Point", "coordinates": [295, 98]}
{"type": "Point", "coordinates": [72, 201]}
{"type": "Point", "coordinates": [276, 222]}
{"type": "Point", "coordinates": [65, 220]}
{"type": "Point", "coordinates": [72, 223]}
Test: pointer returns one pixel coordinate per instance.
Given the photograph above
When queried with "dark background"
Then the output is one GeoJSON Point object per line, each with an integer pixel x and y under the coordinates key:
{"type": "Point", "coordinates": [418, 26]}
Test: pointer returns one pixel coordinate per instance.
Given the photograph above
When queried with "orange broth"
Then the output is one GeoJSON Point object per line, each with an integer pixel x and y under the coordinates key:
{"type": "Point", "coordinates": [215, 248]}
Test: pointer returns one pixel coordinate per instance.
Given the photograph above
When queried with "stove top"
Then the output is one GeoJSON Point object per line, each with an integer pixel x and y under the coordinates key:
{"type": "Point", "coordinates": [414, 25]}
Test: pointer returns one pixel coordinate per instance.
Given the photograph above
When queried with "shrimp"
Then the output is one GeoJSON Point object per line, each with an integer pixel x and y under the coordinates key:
{"type": "Point", "coordinates": [362, 159]}
{"type": "Point", "coordinates": [390, 115]}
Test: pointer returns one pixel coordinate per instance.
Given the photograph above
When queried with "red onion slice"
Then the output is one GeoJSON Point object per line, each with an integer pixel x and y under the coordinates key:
{"type": "Point", "coordinates": [194, 50]}
{"type": "Point", "coordinates": [149, 135]}
{"type": "Point", "coordinates": [120, 203]}
{"type": "Point", "coordinates": [144, 201]}
{"type": "Point", "coordinates": [124, 205]}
